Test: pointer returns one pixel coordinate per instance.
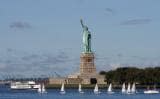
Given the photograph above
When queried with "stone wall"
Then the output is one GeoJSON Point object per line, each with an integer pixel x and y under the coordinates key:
{"type": "Point", "coordinates": [83, 80]}
{"type": "Point", "coordinates": [74, 80]}
{"type": "Point", "coordinates": [57, 80]}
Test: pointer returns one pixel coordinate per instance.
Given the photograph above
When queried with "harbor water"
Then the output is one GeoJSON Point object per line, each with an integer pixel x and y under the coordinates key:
{"type": "Point", "coordinates": [7, 93]}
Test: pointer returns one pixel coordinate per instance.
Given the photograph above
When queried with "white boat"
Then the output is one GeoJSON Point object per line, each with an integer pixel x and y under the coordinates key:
{"type": "Point", "coordinates": [129, 89]}
{"type": "Point", "coordinates": [36, 86]}
{"type": "Point", "coordinates": [110, 89]}
{"type": "Point", "coordinates": [20, 85]}
{"type": "Point", "coordinates": [133, 89]}
{"type": "Point", "coordinates": [96, 91]}
{"type": "Point", "coordinates": [24, 85]}
{"type": "Point", "coordinates": [62, 91]}
{"type": "Point", "coordinates": [151, 92]}
{"type": "Point", "coordinates": [80, 89]}
{"type": "Point", "coordinates": [123, 88]}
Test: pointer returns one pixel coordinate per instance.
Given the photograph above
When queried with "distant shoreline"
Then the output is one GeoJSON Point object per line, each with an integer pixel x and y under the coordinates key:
{"type": "Point", "coordinates": [91, 86]}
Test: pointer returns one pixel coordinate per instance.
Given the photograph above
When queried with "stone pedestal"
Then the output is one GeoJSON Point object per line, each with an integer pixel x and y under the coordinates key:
{"type": "Point", "coordinates": [87, 66]}
{"type": "Point", "coordinates": [88, 70]}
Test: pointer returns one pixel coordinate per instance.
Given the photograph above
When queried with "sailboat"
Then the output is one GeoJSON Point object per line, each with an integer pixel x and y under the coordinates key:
{"type": "Point", "coordinates": [42, 89]}
{"type": "Point", "coordinates": [96, 89]}
{"type": "Point", "coordinates": [80, 89]}
{"type": "Point", "coordinates": [39, 89]}
{"type": "Point", "coordinates": [133, 89]}
{"type": "Point", "coordinates": [62, 91]}
{"type": "Point", "coordinates": [129, 88]}
{"type": "Point", "coordinates": [123, 88]}
{"type": "Point", "coordinates": [110, 89]}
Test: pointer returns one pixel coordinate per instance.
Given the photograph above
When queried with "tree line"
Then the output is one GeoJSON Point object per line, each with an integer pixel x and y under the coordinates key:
{"type": "Point", "coordinates": [145, 76]}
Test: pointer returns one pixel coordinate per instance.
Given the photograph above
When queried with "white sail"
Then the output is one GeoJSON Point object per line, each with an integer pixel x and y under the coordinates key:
{"type": "Point", "coordinates": [96, 88]}
{"type": "Point", "coordinates": [129, 88]}
{"type": "Point", "coordinates": [62, 87]}
{"type": "Point", "coordinates": [123, 88]}
{"type": "Point", "coordinates": [110, 88]}
{"type": "Point", "coordinates": [133, 90]}
{"type": "Point", "coordinates": [79, 89]}
{"type": "Point", "coordinates": [39, 89]}
{"type": "Point", "coordinates": [62, 91]}
{"type": "Point", "coordinates": [43, 89]}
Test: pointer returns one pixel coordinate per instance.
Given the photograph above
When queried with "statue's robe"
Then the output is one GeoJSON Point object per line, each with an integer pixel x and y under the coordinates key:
{"type": "Point", "coordinates": [86, 41]}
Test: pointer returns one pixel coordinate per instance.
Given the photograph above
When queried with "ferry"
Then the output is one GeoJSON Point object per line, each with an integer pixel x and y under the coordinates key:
{"type": "Point", "coordinates": [24, 85]}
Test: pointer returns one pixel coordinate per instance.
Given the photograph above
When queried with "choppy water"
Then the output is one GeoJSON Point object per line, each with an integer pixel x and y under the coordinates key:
{"type": "Point", "coordinates": [7, 93]}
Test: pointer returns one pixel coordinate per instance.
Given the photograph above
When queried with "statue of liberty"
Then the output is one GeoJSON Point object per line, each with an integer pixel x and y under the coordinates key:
{"type": "Point", "coordinates": [86, 38]}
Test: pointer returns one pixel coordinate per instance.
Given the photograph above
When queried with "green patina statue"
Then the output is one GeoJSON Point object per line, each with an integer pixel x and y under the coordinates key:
{"type": "Point", "coordinates": [86, 38]}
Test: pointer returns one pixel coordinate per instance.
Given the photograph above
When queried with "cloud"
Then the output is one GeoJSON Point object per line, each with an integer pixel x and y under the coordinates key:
{"type": "Point", "coordinates": [109, 11]}
{"type": "Point", "coordinates": [30, 57]}
{"type": "Point", "coordinates": [120, 55]}
{"type": "Point", "coordinates": [9, 50]}
{"type": "Point", "coordinates": [18, 62]}
{"type": "Point", "coordinates": [2, 65]}
{"type": "Point", "coordinates": [20, 25]}
{"type": "Point", "coordinates": [136, 21]}
{"type": "Point", "coordinates": [61, 58]}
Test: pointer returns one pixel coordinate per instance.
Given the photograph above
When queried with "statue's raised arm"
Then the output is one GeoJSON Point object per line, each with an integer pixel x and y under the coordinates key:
{"type": "Point", "coordinates": [82, 23]}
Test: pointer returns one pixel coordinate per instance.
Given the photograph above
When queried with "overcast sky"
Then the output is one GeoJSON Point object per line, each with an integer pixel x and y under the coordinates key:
{"type": "Point", "coordinates": [45, 36]}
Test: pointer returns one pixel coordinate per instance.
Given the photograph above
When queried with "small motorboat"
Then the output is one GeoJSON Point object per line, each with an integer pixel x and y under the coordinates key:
{"type": "Point", "coordinates": [151, 92]}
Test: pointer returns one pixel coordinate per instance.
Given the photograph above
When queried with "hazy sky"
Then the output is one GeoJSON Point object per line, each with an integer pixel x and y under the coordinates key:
{"type": "Point", "coordinates": [45, 36]}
